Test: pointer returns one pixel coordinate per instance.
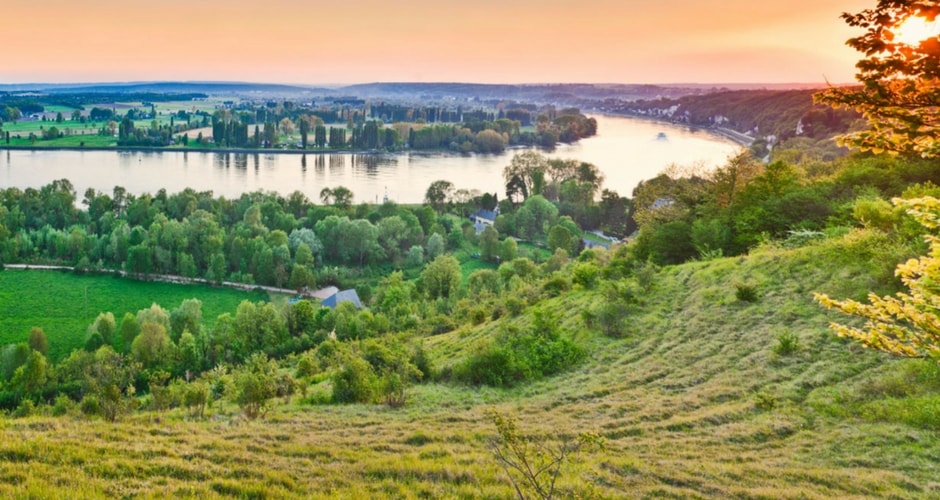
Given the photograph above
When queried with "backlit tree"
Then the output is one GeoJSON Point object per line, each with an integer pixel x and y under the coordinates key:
{"type": "Point", "coordinates": [900, 76]}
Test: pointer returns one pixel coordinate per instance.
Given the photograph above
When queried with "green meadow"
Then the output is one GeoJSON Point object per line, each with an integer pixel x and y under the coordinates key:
{"type": "Point", "coordinates": [63, 304]}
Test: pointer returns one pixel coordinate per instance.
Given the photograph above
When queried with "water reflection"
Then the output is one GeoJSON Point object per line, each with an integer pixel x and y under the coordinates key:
{"type": "Point", "coordinates": [219, 160]}
{"type": "Point", "coordinates": [241, 161]}
{"type": "Point", "coordinates": [337, 162]}
{"type": "Point", "coordinates": [623, 152]}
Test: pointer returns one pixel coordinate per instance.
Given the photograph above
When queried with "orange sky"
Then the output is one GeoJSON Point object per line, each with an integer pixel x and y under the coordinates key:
{"type": "Point", "coordinates": [346, 41]}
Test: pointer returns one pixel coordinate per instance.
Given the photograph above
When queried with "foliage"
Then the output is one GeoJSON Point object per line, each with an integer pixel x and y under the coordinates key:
{"type": "Point", "coordinates": [532, 463]}
{"type": "Point", "coordinates": [355, 382]}
{"type": "Point", "coordinates": [746, 292]}
{"type": "Point", "coordinates": [905, 325]}
{"type": "Point", "coordinates": [442, 278]}
{"type": "Point", "coordinates": [254, 385]}
{"type": "Point", "coordinates": [787, 343]}
{"type": "Point", "coordinates": [899, 96]}
{"type": "Point", "coordinates": [109, 380]}
{"type": "Point", "coordinates": [518, 356]}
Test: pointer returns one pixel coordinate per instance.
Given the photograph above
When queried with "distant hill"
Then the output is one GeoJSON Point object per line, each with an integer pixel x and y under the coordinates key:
{"type": "Point", "coordinates": [781, 113]}
{"type": "Point", "coordinates": [162, 87]}
{"type": "Point", "coordinates": [581, 94]}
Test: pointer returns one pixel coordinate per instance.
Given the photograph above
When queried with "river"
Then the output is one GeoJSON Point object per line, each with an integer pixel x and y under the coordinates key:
{"type": "Point", "coordinates": [626, 150]}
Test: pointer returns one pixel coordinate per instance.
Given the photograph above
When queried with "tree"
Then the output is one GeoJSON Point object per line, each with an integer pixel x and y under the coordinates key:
{"type": "Point", "coordinates": [304, 126]}
{"type": "Point", "coordinates": [435, 246]}
{"type": "Point", "coordinates": [559, 237]}
{"type": "Point", "coordinates": [30, 378]}
{"type": "Point", "coordinates": [489, 141]}
{"type": "Point", "coordinates": [907, 324]}
{"type": "Point", "coordinates": [489, 243]}
{"type": "Point", "coordinates": [255, 385]}
{"type": "Point", "coordinates": [105, 325]}
{"type": "Point", "coordinates": [520, 173]}
{"type": "Point", "coordinates": [186, 317]}
{"type": "Point", "coordinates": [286, 126]}
{"type": "Point", "coordinates": [508, 250]}
{"type": "Point", "coordinates": [153, 346]}
{"type": "Point", "coordinates": [129, 330]}
{"type": "Point", "coordinates": [339, 197]}
{"type": "Point", "coordinates": [484, 281]}
{"type": "Point", "coordinates": [37, 340]}
{"type": "Point", "coordinates": [438, 194]}
{"type": "Point", "coordinates": [355, 382]}
{"type": "Point", "coordinates": [900, 76]}
{"type": "Point", "coordinates": [441, 278]}
{"type": "Point", "coordinates": [110, 380]}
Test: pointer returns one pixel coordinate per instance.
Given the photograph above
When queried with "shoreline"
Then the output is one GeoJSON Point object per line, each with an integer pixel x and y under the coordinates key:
{"type": "Point", "coordinates": [141, 149]}
{"type": "Point", "coordinates": [729, 134]}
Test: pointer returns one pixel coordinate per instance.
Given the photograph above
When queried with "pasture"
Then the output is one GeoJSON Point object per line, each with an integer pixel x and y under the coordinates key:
{"type": "Point", "coordinates": [63, 304]}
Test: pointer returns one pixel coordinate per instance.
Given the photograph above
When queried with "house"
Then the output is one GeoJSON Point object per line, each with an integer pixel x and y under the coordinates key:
{"type": "Point", "coordinates": [482, 218]}
{"type": "Point", "coordinates": [325, 293]}
{"type": "Point", "coordinates": [343, 296]}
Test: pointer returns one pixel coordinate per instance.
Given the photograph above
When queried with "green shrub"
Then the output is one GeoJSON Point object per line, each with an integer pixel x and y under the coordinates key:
{"type": "Point", "coordinates": [787, 343]}
{"type": "Point", "coordinates": [765, 400]}
{"type": "Point", "coordinates": [62, 405]}
{"type": "Point", "coordinates": [355, 382]}
{"type": "Point", "coordinates": [514, 305]}
{"type": "Point", "coordinates": [520, 356]}
{"type": "Point", "coordinates": [745, 292]}
{"type": "Point", "coordinates": [25, 409]}
{"type": "Point", "coordinates": [90, 406]}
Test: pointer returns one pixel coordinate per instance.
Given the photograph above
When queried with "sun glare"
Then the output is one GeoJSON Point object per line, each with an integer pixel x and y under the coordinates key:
{"type": "Point", "coordinates": [915, 30]}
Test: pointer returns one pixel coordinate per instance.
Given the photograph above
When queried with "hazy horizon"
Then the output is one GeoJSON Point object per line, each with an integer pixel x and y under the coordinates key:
{"type": "Point", "coordinates": [704, 42]}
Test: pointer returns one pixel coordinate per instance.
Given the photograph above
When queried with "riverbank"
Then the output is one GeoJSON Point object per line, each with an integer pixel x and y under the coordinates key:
{"type": "Point", "coordinates": [732, 135]}
{"type": "Point", "coordinates": [250, 151]}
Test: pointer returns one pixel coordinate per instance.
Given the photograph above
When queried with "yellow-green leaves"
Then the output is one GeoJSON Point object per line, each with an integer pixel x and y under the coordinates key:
{"type": "Point", "coordinates": [906, 324]}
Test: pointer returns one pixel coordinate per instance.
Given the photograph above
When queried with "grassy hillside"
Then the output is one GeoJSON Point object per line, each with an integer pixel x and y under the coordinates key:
{"type": "Point", "coordinates": [63, 304]}
{"type": "Point", "coordinates": [698, 400]}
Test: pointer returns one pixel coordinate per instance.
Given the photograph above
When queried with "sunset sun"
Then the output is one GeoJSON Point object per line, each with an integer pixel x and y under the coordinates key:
{"type": "Point", "coordinates": [916, 29]}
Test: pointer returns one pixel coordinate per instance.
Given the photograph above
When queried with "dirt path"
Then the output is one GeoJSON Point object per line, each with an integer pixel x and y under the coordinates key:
{"type": "Point", "coordinates": [163, 278]}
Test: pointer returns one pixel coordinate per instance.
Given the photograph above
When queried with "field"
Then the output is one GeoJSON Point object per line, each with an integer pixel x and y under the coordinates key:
{"type": "Point", "coordinates": [63, 304]}
{"type": "Point", "coordinates": [697, 400]}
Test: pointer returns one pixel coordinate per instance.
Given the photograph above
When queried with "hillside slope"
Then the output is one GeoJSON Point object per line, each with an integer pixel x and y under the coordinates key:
{"type": "Point", "coordinates": [693, 402]}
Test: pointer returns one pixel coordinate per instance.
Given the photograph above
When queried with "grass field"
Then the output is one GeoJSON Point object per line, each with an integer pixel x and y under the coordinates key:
{"type": "Point", "coordinates": [695, 401]}
{"type": "Point", "coordinates": [63, 304]}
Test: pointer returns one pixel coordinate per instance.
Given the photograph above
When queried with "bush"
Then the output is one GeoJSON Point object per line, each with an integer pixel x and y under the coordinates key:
{"type": "Point", "coordinates": [25, 409]}
{"type": "Point", "coordinates": [355, 382]}
{"type": "Point", "coordinates": [745, 292]}
{"type": "Point", "coordinates": [787, 343]}
{"type": "Point", "coordinates": [514, 305]}
{"type": "Point", "coordinates": [62, 405]}
{"type": "Point", "coordinates": [516, 357]}
{"type": "Point", "coordinates": [90, 406]}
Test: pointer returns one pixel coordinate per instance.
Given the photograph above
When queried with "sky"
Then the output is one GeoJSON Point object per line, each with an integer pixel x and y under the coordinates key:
{"type": "Point", "coordinates": [487, 41]}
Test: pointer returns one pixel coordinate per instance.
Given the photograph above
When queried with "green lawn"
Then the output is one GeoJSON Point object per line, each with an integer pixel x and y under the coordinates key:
{"type": "Point", "coordinates": [63, 304]}
{"type": "Point", "coordinates": [71, 141]}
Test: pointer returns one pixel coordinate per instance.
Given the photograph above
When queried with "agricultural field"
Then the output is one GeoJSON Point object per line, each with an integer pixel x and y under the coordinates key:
{"type": "Point", "coordinates": [63, 304]}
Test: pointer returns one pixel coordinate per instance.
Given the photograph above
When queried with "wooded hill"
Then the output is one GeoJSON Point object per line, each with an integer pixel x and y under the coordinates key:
{"type": "Point", "coordinates": [763, 112]}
